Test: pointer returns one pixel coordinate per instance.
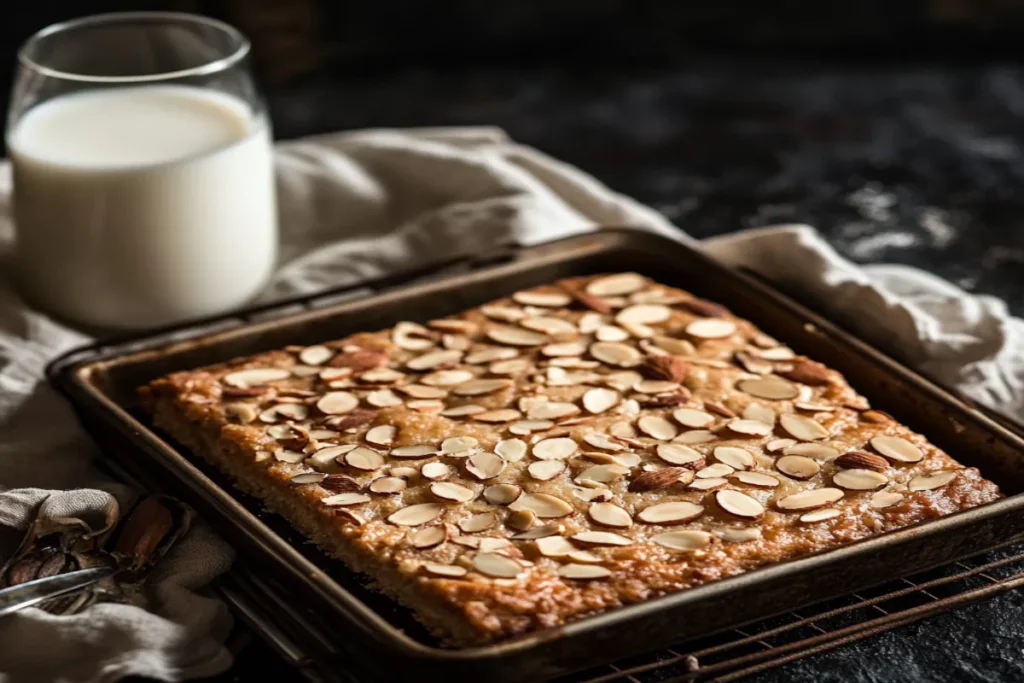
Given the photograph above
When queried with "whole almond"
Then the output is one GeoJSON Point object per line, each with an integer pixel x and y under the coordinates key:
{"type": "Point", "coordinates": [656, 479]}
{"type": "Point", "coordinates": [667, 368]}
{"type": "Point", "coordinates": [862, 460]}
{"type": "Point", "coordinates": [590, 301]}
{"type": "Point", "coordinates": [875, 417]}
{"type": "Point", "coordinates": [359, 361]}
{"type": "Point", "coordinates": [806, 372]}
{"type": "Point", "coordinates": [703, 308]}
{"type": "Point", "coordinates": [339, 483]}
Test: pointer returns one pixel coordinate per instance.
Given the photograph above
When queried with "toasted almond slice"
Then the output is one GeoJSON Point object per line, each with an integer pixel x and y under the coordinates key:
{"type": "Point", "coordinates": [590, 322]}
{"type": "Point", "coordinates": [797, 466]}
{"type": "Point", "coordinates": [775, 353]}
{"type": "Point", "coordinates": [453, 325]}
{"type": "Point", "coordinates": [498, 566]}
{"type": "Point", "coordinates": [621, 284]}
{"type": "Point", "coordinates": [759, 412]}
{"type": "Point", "coordinates": [516, 336]}
{"type": "Point", "coordinates": [468, 541]}
{"type": "Point", "coordinates": [501, 494]}
{"type": "Point", "coordinates": [434, 359]}
{"type": "Point", "coordinates": [931, 480]}
{"type": "Point", "coordinates": [769, 387]}
{"type": "Point", "coordinates": [819, 515]}
{"type": "Point", "coordinates": [383, 435]}
{"type": "Point", "coordinates": [715, 471]}
{"type": "Point", "coordinates": [554, 546]}
{"type": "Point", "coordinates": [326, 458]}
{"type": "Point", "coordinates": [802, 428]}
{"type": "Point", "coordinates": [382, 375]}
{"type": "Point", "coordinates": [637, 330]}
{"type": "Point", "coordinates": [657, 427]}
{"type": "Point", "coordinates": [756, 479]}
{"type": "Point", "coordinates": [428, 537]}
{"type": "Point", "coordinates": [616, 354]}
{"type": "Point", "coordinates": [364, 459]}
{"type": "Point", "coordinates": [594, 538]}
{"type": "Point", "coordinates": [450, 491]}
{"type": "Point", "coordinates": [479, 387]}
{"type": "Point", "coordinates": [455, 342]}
{"type": "Point", "coordinates": [673, 346]}
{"type": "Point", "coordinates": [558, 448]}
{"type": "Point", "coordinates": [543, 531]}
{"type": "Point", "coordinates": [583, 572]}
{"type": "Point", "coordinates": [315, 355]}
{"type": "Point", "coordinates": [708, 484]}
{"type": "Point", "coordinates": [383, 398]}
{"type": "Point", "coordinates": [885, 499]}
{"type": "Point", "coordinates": [546, 469]}
{"type": "Point", "coordinates": [308, 478]}
{"type": "Point", "coordinates": [413, 451]}
{"type": "Point", "coordinates": [814, 407]}
{"type": "Point", "coordinates": [446, 571]}
{"type": "Point", "coordinates": [509, 314]}
{"type": "Point", "coordinates": [735, 457]}
{"type": "Point", "coordinates": [435, 470]}
{"type": "Point", "coordinates": [565, 349]}
{"type": "Point", "coordinates": [340, 499]}
{"type": "Point", "coordinates": [859, 479]}
{"type": "Point", "coordinates": [678, 454]}
{"type": "Point", "coordinates": [739, 504]}
{"type": "Point", "coordinates": [688, 539]}
{"type": "Point", "coordinates": [602, 441]}
{"type": "Point", "coordinates": [626, 459]}
{"type": "Point", "coordinates": [598, 400]}
{"type": "Point", "coordinates": [485, 465]}
{"type": "Point", "coordinates": [738, 535]}
{"type": "Point", "coordinates": [478, 522]}
{"type": "Point", "coordinates": [643, 314]}
{"type": "Point", "coordinates": [542, 299]}
{"type": "Point", "coordinates": [897, 448]}
{"type": "Point", "coordinates": [511, 450]}
{"type": "Point", "coordinates": [330, 374]}
{"type": "Point", "coordinates": [446, 378]}
{"type": "Point", "coordinates": [496, 416]}
{"type": "Point", "coordinates": [611, 333]}
{"type": "Point", "coordinates": [676, 512]}
{"type": "Point", "coordinates": [512, 366]}
{"type": "Point", "coordinates": [609, 514]}
{"type": "Point", "coordinates": [459, 446]}
{"type": "Point", "coordinates": [281, 432]}
{"type": "Point", "coordinates": [411, 337]}
{"type": "Point", "coordinates": [776, 445]}
{"type": "Point", "coordinates": [464, 410]}
{"type": "Point", "coordinates": [425, 405]}
{"type": "Point", "coordinates": [543, 505]}
{"type": "Point", "coordinates": [711, 328]}
{"type": "Point", "coordinates": [697, 436]}
{"type": "Point", "coordinates": [813, 498]}
{"type": "Point", "coordinates": [552, 410]}
{"type": "Point", "coordinates": [291, 411]}
{"type": "Point", "coordinates": [655, 386]}
{"type": "Point", "coordinates": [255, 377]}
{"type": "Point", "coordinates": [404, 471]}
{"type": "Point", "coordinates": [749, 427]}
{"type": "Point", "coordinates": [289, 456]}
{"type": "Point", "coordinates": [592, 494]}
{"type": "Point", "coordinates": [753, 364]}
{"type": "Point", "coordinates": [603, 474]}
{"type": "Point", "coordinates": [555, 327]}
{"type": "Point", "coordinates": [693, 419]}
{"type": "Point", "coordinates": [388, 485]}
{"type": "Point", "coordinates": [491, 355]}
{"type": "Point", "coordinates": [817, 451]}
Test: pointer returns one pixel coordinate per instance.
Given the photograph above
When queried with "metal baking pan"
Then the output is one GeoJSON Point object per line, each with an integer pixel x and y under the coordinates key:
{"type": "Point", "coordinates": [368, 632]}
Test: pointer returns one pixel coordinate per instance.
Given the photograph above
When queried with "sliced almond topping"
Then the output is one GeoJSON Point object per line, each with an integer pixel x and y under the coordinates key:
{"type": "Point", "coordinates": [657, 427]}
{"type": "Point", "coordinates": [383, 398]}
{"type": "Point", "coordinates": [364, 459]}
{"type": "Point", "coordinates": [326, 458]}
{"type": "Point", "coordinates": [381, 376]}
{"type": "Point", "coordinates": [885, 499]}
{"type": "Point", "coordinates": [639, 331]}
{"type": "Point", "coordinates": [554, 546]}
{"type": "Point", "coordinates": [759, 412]}
{"type": "Point", "coordinates": [447, 490]}
{"type": "Point", "coordinates": [814, 407]}
{"type": "Point", "coordinates": [739, 535]}
{"type": "Point", "coordinates": [582, 572]}
{"type": "Point", "coordinates": [425, 405]}
{"type": "Point", "coordinates": [558, 448]}
{"type": "Point", "coordinates": [688, 539]}
{"type": "Point", "coordinates": [719, 469]}
{"type": "Point", "coordinates": [496, 416]}
{"type": "Point", "coordinates": [555, 327]}
{"type": "Point", "coordinates": [756, 479]}
{"type": "Point", "coordinates": [599, 400]}
{"type": "Point", "coordinates": [753, 365]}
{"type": "Point", "coordinates": [315, 355]}
{"type": "Point", "coordinates": [337, 402]}
{"type": "Point", "coordinates": [609, 514]}
{"type": "Point", "coordinates": [776, 445]}
{"type": "Point", "coordinates": [429, 537]}
{"type": "Point", "coordinates": [693, 419]}
{"type": "Point", "coordinates": [931, 480]}
{"type": "Point", "coordinates": [797, 466]}
{"type": "Point", "coordinates": [308, 478]}
{"type": "Point", "coordinates": [455, 342]}
{"type": "Point", "coordinates": [384, 435]}
{"type": "Point", "coordinates": [413, 451]}
{"type": "Point", "coordinates": [677, 512]}
{"type": "Point", "coordinates": [802, 428]}
{"type": "Point", "coordinates": [538, 532]}
{"type": "Point", "coordinates": [817, 451]}
{"type": "Point", "coordinates": [546, 469]}
{"type": "Point", "coordinates": [507, 367]}
{"type": "Point", "coordinates": [711, 328]}
{"type": "Point", "coordinates": [256, 376]}
{"type": "Point", "coordinates": [485, 465]}
{"type": "Point", "coordinates": [734, 457]}
{"type": "Point", "coordinates": [566, 349]}
{"type": "Point", "coordinates": [542, 299]}
{"type": "Point", "coordinates": [859, 479]}
{"type": "Point", "coordinates": [655, 386]}
{"type": "Point", "coordinates": [697, 436]}
{"type": "Point", "coordinates": [289, 456]}
{"type": "Point", "coordinates": [819, 515]}
{"type": "Point", "coordinates": [616, 354]}
{"type": "Point", "coordinates": [516, 336]}
{"type": "Point", "coordinates": [749, 427]}
{"type": "Point", "coordinates": [243, 413]}
{"type": "Point", "coordinates": [897, 448]}
{"type": "Point", "coordinates": [329, 374]}
{"type": "Point", "coordinates": [875, 417]}
{"type": "Point", "coordinates": [447, 378]}
{"type": "Point", "coordinates": [498, 566]}
{"type": "Point", "coordinates": [490, 355]}
{"type": "Point", "coordinates": [435, 470]}
{"type": "Point", "coordinates": [601, 538]}
{"type": "Point", "coordinates": [552, 410]}
{"type": "Point", "coordinates": [478, 387]}
{"type": "Point", "coordinates": [675, 347]}
{"type": "Point", "coordinates": [411, 337]}
{"type": "Point", "coordinates": [341, 499]}
{"type": "Point", "coordinates": [404, 471]}
{"type": "Point", "coordinates": [501, 494]}
{"type": "Point", "coordinates": [616, 285]}
{"type": "Point", "coordinates": [739, 504]}
{"type": "Point", "coordinates": [434, 359]}
{"type": "Point", "coordinates": [543, 505]}
{"type": "Point", "coordinates": [603, 474]}
{"type": "Point", "coordinates": [477, 523]}
{"type": "Point", "coordinates": [511, 450]}
{"type": "Point", "coordinates": [814, 498]}
{"type": "Point", "coordinates": [769, 387]}
{"type": "Point", "coordinates": [447, 571]}
{"type": "Point", "coordinates": [643, 314]}
{"type": "Point", "coordinates": [678, 454]}
{"type": "Point", "coordinates": [459, 446]}
{"type": "Point", "coordinates": [602, 441]}
{"type": "Point", "coordinates": [291, 411]}
{"type": "Point", "coordinates": [508, 314]}
{"type": "Point", "coordinates": [463, 411]}
{"type": "Point", "coordinates": [611, 333]}
{"type": "Point", "coordinates": [388, 485]}
{"type": "Point", "coordinates": [708, 484]}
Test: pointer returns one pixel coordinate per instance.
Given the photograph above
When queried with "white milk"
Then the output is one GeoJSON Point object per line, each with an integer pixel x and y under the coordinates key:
{"type": "Point", "coordinates": [145, 205]}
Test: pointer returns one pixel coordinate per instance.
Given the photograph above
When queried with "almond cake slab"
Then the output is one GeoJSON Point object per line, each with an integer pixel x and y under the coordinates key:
{"type": "Point", "coordinates": [559, 453]}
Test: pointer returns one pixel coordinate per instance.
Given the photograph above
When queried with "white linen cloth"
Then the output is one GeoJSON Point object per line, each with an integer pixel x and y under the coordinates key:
{"type": "Point", "coordinates": [362, 204]}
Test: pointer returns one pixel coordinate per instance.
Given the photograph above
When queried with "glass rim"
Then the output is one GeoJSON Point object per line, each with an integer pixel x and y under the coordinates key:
{"type": "Point", "coordinates": [110, 18]}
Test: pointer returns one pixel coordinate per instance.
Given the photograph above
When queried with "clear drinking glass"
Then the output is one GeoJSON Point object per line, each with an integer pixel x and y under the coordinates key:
{"type": "Point", "coordinates": [143, 172]}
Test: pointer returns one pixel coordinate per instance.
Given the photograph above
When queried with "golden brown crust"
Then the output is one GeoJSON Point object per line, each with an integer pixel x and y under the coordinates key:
{"type": "Point", "coordinates": [715, 369]}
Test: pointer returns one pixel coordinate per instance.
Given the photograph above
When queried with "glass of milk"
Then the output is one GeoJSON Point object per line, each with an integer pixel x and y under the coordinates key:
{"type": "Point", "coordinates": [143, 173]}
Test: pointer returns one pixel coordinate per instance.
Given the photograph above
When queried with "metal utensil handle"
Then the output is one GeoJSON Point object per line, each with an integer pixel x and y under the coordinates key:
{"type": "Point", "coordinates": [27, 594]}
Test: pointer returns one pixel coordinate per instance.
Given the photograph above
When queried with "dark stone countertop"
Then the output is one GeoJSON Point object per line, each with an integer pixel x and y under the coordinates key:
{"type": "Point", "coordinates": [921, 165]}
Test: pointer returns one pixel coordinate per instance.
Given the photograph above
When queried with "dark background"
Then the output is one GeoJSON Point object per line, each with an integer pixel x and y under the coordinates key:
{"type": "Point", "coordinates": [896, 128]}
